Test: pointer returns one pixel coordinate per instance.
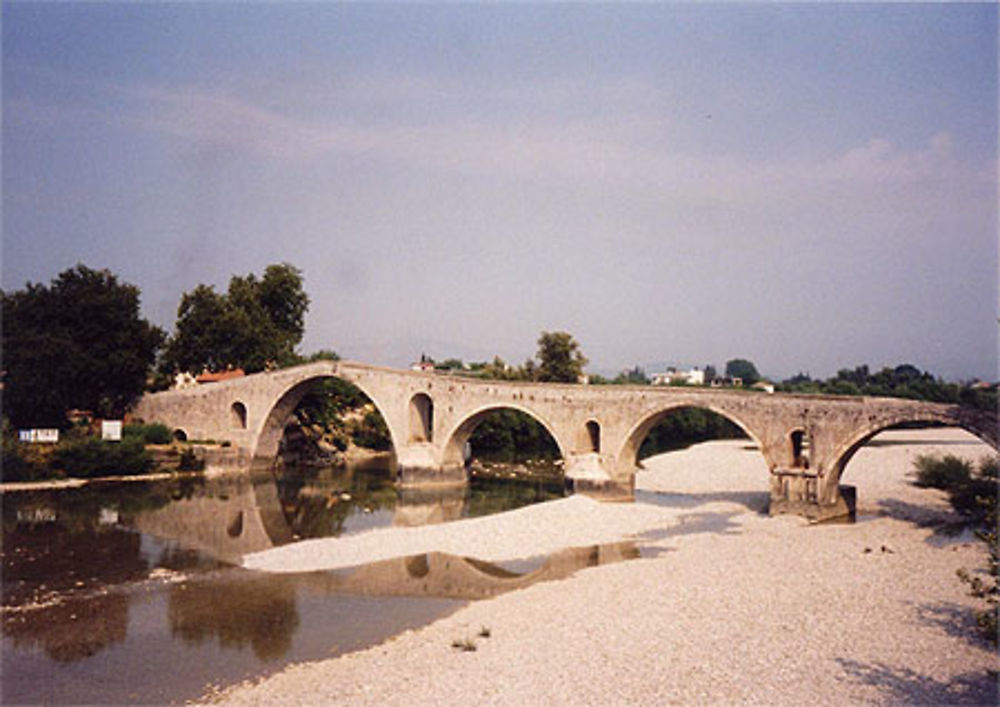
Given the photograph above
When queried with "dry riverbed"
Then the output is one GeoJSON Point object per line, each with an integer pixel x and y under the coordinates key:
{"type": "Point", "coordinates": [725, 605]}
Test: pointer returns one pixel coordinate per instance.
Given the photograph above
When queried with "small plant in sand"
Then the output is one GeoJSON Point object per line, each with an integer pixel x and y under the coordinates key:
{"type": "Point", "coordinates": [466, 645]}
{"type": "Point", "coordinates": [484, 632]}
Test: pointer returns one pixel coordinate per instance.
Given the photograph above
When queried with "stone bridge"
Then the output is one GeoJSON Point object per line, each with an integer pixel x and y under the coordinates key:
{"type": "Point", "coordinates": [806, 440]}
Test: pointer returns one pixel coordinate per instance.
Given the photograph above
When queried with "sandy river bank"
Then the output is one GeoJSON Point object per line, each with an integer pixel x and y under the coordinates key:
{"type": "Point", "coordinates": [725, 605]}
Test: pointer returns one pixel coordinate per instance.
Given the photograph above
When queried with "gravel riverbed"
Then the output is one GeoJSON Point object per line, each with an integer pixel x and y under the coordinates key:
{"type": "Point", "coordinates": [725, 604]}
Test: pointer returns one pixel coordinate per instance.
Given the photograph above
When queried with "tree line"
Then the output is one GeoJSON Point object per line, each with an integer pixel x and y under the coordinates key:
{"type": "Point", "coordinates": [903, 381]}
{"type": "Point", "coordinates": [81, 343]}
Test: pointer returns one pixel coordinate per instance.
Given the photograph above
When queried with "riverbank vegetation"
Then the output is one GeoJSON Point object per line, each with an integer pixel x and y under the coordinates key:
{"type": "Point", "coordinates": [903, 381]}
{"type": "Point", "coordinates": [81, 453]}
{"type": "Point", "coordinates": [686, 426]}
{"type": "Point", "coordinates": [332, 418]}
{"type": "Point", "coordinates": [972, 492]}
{"type": "Point", "coordinates": [74, 456]}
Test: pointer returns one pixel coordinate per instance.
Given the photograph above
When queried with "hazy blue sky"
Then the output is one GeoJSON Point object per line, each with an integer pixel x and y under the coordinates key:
{"type": "Point", "coordinates": [808, 186]}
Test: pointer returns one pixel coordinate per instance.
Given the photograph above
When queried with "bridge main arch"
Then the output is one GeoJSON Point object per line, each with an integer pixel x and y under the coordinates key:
{"type": "Point", "coordinates": [284, 403]}
{"type": "Point", "coordinates": [847, 448]}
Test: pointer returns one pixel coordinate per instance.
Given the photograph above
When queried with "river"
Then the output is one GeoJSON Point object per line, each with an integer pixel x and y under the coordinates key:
{"type": "Point", "coordinates": [131, 592]}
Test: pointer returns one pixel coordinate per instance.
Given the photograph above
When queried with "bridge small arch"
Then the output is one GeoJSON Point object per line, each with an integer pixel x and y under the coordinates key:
{"type": "Point", "coordinates": [180, 435]}
{"type": "Point", "coordinates": [799, 442]}
{"type": "Point", "coordinates": [234, 528]}
{"type": "Point", "coordinates": [238, 415]}
{"type": "Point", "coordinates": [421, 418]}
{"type": "Point", "coordinates": [592, 437]}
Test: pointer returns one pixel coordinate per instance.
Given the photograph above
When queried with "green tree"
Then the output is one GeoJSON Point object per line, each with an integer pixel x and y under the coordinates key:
{"type": "Point", "coordinates": [742, 368]}
{"type": "Point", "coordinates": [633, 376]}
{"type": "Point", "coordinates": [450, 364]}
{"type": "Point", "coordinates": [78, 343]}
{"type": "Point", "coordinates": [559, 358]}
{"type": "Point", "coordinates": [257, 324]}
{"type": "Point", "coordinates": [323, 355]}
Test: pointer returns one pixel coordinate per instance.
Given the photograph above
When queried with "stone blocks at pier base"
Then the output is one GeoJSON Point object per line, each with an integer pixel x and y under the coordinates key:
{"type": "Point", "coordinates": [429, 504]}
{"type": "Point", "coordinates": [840, 510]}
{"type": "Point", "coordinates": [415, 476]}
{"type": "Point", "coordinates": [602, 489]}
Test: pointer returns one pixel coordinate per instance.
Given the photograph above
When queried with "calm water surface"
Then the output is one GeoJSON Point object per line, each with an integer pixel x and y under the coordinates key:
{"type": "Point", "coordinates": [131, 591]}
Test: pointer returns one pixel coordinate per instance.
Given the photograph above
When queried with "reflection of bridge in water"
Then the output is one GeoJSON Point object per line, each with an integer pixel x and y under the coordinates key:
{"type": "Point", "coordinates": [232, 517]}
{"type": "Point", "coordinates": [598, 429]}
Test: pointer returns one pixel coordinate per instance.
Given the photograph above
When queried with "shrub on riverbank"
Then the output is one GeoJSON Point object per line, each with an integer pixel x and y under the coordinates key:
{"type": "Point", "coordinates": [973, 493]}
{"type": "Point", "coordinates": [189, 461]}
{"type": "Point", "coordinates": [371, 432]}
{"type": "Point", "coordinates": [24, 462]}
{"type": "Point", "coordinates": [157, 433]}
{"type": "Point", "coordinates": [89, 457]}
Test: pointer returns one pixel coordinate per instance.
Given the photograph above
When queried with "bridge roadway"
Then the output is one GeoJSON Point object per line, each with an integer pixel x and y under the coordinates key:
{"type": "Point", "coordinates": [806, 440]}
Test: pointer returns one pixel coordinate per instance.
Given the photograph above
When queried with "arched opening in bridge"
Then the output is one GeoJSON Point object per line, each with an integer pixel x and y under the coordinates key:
{"type": "Point", "coordinates": [329, 421]}
{"type": "Point", "coordinates": [421, 418]}
{"type": "Point", "coordinates": [800, 449]}
{"type": "Point", "coordinates": [320, 421]}
{"type": "Point", "coordinates": [882, 470]}
{"type": "Point", "coordinates": [238, 415]}
{"type": "Point", "coordinates": [593, 436]}
{"type": "Point", "coordinates": [689, 452]}
{"type": "Point", "coordinates": [510, 436]}
{"type": "Point", "coordinates": [331, 456]}
{"type": "Point", "coordinates": [509, 446]}
{"type": "Point", "coordinates": [682, 427]}
{"type": "Point", "coordinates": [180, 435]}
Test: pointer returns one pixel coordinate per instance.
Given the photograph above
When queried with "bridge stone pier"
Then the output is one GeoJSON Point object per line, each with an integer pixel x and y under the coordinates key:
{"type": "Point", "coordinates": [806, 440]}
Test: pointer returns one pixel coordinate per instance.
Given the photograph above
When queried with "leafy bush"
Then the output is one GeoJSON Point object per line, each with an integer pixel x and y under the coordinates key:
{"type": "Point", "coordinates": [156, 433]}
{"type": "Point", "coordinates": [23, 462]}
{"type": "Point", "coordinates": [189, 461]}
{"type": "Point", "coordinates": [973, 493]}
{"type": "Point", "coordinates": [372, 432]}
{"type": "Point", "coordinates": [947, 472]}
{"type": "Point", "coordinates": [966, 487]}
{"type": "Point", "coordinates": [91, 457]}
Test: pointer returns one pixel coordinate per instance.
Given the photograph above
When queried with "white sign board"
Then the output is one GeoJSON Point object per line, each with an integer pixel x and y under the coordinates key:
{"type": "Point", "coordinates": [47, 436]}
{"type": "Point", "coordinates": [111, 430]}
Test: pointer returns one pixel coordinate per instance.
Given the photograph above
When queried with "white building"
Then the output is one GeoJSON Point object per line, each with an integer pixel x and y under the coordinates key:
{"type": "Point", "coordinates": [695, 376]}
